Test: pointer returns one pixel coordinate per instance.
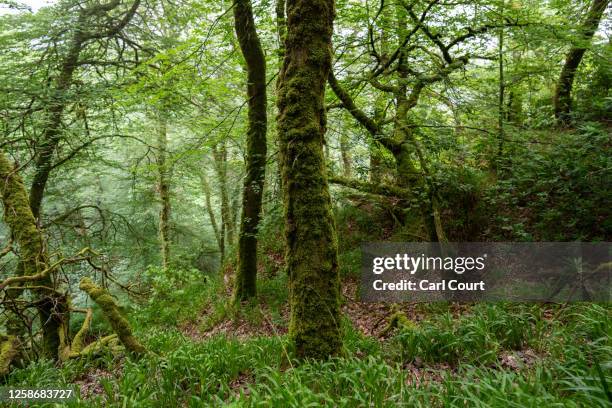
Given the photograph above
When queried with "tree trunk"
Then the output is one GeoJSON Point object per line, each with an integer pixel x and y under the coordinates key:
{"type": "Point", "coordinates": [211, 216]}
{"type": "Point", "coordinates": [501, 96]}
{"type": "Point", "coordinates": [281, 29]}
{"type": "Point", "coordinates": [52, 306]}
{"type": "Point", "coordinates": [281, 33]}
{"type": "Point", "coordinates": [246, 277]}
{"type": "Point", "coordinates": [562, 99]}
{"type": "Point", "coordinates": [347, 161]}
{"type": "Point", "coordinates": [163, 187]}
{"type": "Point", "coordinates": [51, 133]}
{"type": "Point", "coordinates": [312, 250]}
{"type": "Point", "coordinates": [220, 156]}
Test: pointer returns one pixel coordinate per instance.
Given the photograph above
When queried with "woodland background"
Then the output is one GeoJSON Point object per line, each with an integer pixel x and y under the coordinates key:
{"type": "Point", "coordinates": [186, 185]}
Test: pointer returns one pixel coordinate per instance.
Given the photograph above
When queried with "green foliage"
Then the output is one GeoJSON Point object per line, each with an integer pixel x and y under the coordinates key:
{"type": "Point", "coordinates": [558, 191]}
{"type": "Point", "coordinates": [439, 361]}
{"type": "Point", "coordinates": [179, 61]}
{"type": "Point", "coordinates": [175, 295]}
{"type": "Point", "coordinates": [474, 338]}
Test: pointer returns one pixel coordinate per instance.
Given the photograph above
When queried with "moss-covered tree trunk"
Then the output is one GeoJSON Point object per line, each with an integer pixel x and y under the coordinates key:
{"type": "Point", "coordinates": [281, 34]}
{"type": "Point", "coordinates": [51, 305]}
{"type": "Point", "coordinates": [563, 94]}
{"type": "Point", "coordinates": [246, 277]}
{"type": "Point", "coordinates": [163, 189]}
{"type": "Point", "coordinates": [51, 133]}
{"type": "Point", "coordinates": [312, 258]}
{"type": "Point", "coordinates": [406, 148]}
{"type": "Point", "coordinates": [9, 349]}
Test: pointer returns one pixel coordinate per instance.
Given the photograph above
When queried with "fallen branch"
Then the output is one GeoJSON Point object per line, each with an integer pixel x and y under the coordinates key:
{"type": "Point", "coordinates": [110, 341]}
{"type": "Point", "coordinates": [114, 316]}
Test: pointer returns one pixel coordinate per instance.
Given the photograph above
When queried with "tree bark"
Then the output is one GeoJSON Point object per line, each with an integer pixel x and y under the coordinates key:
{"type": "Point", "coordinates": [312, 249]}
{"type": "Point", "coordinates": [211, 216]}
{"type": "Point", "coordinates": [246, 276]}
{"type": "Point", "coordinates": [163, 187]}
{"type": "Point", "coordinates": [227, 225]}
{"type": "Point", "coordinates": [347, 161]}
{"type": "Point", "coordinates": [52, 306]}
{"type": "Point", "coordinates": [562, 99]}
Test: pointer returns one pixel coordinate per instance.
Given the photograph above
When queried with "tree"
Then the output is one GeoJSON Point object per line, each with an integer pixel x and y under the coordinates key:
{"type": "Point", "coordinates": [87, 29]}
{"type": "Point", "coordinates": [93, 23]}
{"type": "Point", "coordinates": [562, 99]}
{"type": "Point", "coordinates": [246, 276]}
{"type": "Point", "coordinates": [311, 255]}
{"type": "Point", "coordinates": [34, 263]}
{"type": "Point", "coordinates": [427, 51]}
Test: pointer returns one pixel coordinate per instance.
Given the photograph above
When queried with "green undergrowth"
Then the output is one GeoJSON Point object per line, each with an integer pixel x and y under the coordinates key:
{"type": "Point", "coordinates": [438, 361]}
{"type": "Point", "coordinates": [175, 296]}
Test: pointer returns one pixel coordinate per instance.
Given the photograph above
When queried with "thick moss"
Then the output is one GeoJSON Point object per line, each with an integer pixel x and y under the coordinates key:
{"type": "Point", "coordinates": [51, 305]}
{"type": "Point", "coordinates": [114, 316]}
{"type": "Point", "coordinates": [312, 258]}
{"type": "Point", "coordinates": [78, 341]}
{"type": "Point", "coordinates": [18, 216]}
{"type": "Point", "coordinates": [8, 352]}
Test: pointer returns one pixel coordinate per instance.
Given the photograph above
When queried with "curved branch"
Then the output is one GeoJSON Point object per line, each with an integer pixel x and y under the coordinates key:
{"type": "Point", "coordinates": [349, 104]}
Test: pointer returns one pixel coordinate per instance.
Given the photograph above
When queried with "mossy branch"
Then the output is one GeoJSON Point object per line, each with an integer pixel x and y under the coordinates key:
{"type": "Point", "coordinates": [109, 341]}
{"type": "Point", "coordinates": [47, 271]}
{"type": "Point", "coordinates": [114, 316]}
{"type": "Point", "coordinates": [371, 188]}
{"type": "Point", "coordinates": [77, 341]}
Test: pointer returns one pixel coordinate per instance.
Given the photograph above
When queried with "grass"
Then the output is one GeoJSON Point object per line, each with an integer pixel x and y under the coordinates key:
{"type": "Point", "coordinates": [440, 361]}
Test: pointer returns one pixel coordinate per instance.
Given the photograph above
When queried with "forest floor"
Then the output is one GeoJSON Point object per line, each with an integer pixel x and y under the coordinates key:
{"type": "Point", "coordinates": [443, 355]}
